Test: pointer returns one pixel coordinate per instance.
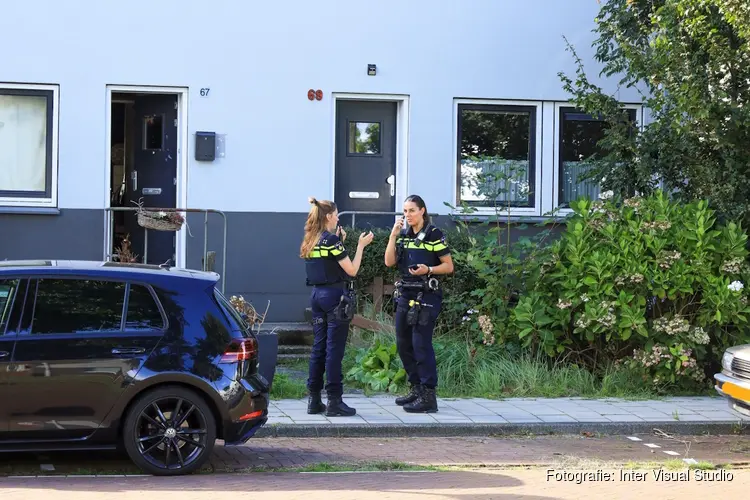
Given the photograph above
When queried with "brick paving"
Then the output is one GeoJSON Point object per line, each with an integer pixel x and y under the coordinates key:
{"type": "Point", "coordinates": [276, 453]}
{"type": "Point", "coordinates": [480, 485]}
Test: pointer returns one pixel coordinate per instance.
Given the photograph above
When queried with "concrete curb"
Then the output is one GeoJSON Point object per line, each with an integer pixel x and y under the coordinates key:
{"type": "Point", "coordinates": [343, 430]}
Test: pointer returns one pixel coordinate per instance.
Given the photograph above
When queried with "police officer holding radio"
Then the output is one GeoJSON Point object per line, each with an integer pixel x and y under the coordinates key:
{"type": "Point", "coordinates": [329, 272]}
{"type": "Point", "coordinates": [419, 250]}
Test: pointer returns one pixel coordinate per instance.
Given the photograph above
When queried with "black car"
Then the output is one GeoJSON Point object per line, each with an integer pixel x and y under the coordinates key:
{"type": "Point", "coordinates": [104, 355]}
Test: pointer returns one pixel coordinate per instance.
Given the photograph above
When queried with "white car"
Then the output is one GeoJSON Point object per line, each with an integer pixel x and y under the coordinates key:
{"type": "Point", "coordinates": [734, 380]}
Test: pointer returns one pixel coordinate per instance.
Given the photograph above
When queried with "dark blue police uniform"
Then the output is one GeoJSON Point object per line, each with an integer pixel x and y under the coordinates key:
{"type": "Point", "coordinates": [329, 282]}
{"type": "Point", "coordinates": [414, 341]}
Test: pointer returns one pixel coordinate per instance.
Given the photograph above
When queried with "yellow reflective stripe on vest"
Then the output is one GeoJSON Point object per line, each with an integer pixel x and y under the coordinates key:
{"type": "Point", "coordinates": [430, 247]}
{"type": "Point", "coordinates": [321, 251]}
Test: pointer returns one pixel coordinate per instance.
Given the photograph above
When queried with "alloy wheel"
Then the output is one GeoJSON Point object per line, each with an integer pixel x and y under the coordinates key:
{"type": "Point", "coordinates": [171, 433]}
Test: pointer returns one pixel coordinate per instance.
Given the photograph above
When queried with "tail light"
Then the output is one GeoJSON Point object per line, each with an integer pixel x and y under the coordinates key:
{"type": "Point", "coordinates": [240, 350]}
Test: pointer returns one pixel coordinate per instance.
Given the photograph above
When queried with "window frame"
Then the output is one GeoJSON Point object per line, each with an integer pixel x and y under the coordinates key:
{"type": "Point", "coordinates": [48, 198]}
{"type": "Point", "coordinates": [560, 108]}
{"type": "Point", "coordinates": [535, 152]}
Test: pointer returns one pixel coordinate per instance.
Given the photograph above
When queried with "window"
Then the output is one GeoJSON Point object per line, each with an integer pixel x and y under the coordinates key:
{"type": "Point", "coordinates": [153, 132]}
{"type": "Point", "coordinates": [143, 312]}
{"type": "Point", "coordinates": [28, 156]}
{"type": "Point", "coordinates": [65, 306]}
{"type": "Point", "coordinates": [496, 155]}
{"type": "Point", "coordinates": [364, 138]}
{"type": "Point", "coordinates": [7, 293]}
{"type": "Point", "coordinates": [579, 150]}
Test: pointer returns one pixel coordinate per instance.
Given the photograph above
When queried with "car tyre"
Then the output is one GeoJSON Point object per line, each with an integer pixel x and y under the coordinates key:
{"type": "Point", "coordinates": [169, 431]}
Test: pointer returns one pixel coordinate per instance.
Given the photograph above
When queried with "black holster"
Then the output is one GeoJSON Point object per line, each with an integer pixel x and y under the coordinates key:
{"type": "Point", "coordinates": [347, 305]}
{"type": "Point", "coordinates": [419, 312]}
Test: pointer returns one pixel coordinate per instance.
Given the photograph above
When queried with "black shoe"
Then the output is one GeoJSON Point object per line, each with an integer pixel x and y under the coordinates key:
{"type": "Point", "coordinates": [425, 403]}
{"type": "Point", "coordinates": [315, 404]}
{"type": "Point", "coordinates": [337, 408]}
{"type": "Point", "coordinates": [414, 393]}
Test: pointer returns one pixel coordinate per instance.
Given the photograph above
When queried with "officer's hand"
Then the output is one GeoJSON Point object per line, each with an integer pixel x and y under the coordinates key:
{"type": "Point", "coordinates": [365, 239]}
{"type": "Point", "coordinates": [397, 226]}
{"type": "Point", "coordinates": [421, 270]}
{"type": "Point", "coordinates": [341, 233]}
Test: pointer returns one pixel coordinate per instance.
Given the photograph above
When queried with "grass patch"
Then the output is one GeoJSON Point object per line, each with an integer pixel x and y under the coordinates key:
{"type": "Point", "coordinates": [495, 373]}
{"type": "Point", "coordinates": [285, 387]}
{"type": "Point", "coordinates": [671, 465]}
{"type": "Point", "coordinates": [375, 466]}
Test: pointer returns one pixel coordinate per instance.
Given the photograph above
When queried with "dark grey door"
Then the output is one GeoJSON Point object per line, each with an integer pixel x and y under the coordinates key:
{"type": "Point", "coordinates": [153, 178]}
{"type": "Point", "coordinates": [366, 160]}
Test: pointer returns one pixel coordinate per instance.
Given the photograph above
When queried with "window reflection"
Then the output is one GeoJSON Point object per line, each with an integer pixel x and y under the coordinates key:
{"type": "Point", "coordinates": [364, 138]}
{"type": "Point", "coordinates": [77, 306]}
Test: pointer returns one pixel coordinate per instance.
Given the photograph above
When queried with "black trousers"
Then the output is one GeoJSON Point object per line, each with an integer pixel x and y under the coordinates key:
{"type": "Point", "coordinates": [414, 343]}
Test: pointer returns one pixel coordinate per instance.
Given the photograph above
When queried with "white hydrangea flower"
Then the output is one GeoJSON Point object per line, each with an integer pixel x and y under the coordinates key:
{"type": "Point", "coordinates": [736, 286]}
{"type": "Point", "coordinates": [606, 195]}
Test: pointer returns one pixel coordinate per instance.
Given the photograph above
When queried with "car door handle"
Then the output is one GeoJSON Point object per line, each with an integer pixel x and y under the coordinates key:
{"type": "Point", "coordinates": [128, 350]}
{"type": "Point", "coordinates": [4, 354]}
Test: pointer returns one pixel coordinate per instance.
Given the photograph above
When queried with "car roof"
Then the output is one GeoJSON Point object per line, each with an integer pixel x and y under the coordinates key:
{"type": "Point", "coordinates": [121, 270]}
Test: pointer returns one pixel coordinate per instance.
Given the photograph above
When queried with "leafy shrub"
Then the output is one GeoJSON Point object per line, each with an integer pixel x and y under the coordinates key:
{"type": "Point", "coordinates": [379, 368]}
{"type": "Point", "coordinates": [647, 278]}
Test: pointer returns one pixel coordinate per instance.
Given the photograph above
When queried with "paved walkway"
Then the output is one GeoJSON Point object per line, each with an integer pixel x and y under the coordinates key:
{"type": "Point", "coordinates": [382, 410]}
{"type": "Point", "coordinates": [379, 416]}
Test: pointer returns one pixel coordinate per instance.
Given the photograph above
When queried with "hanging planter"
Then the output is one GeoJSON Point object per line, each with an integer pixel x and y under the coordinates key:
{"type": "Point", "coordinates": [159, 220]}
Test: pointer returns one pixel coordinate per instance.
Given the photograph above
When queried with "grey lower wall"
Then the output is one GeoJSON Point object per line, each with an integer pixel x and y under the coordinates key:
{"type": "Point", "coordinates": [71, 234]}
{"type": "Point", "coordinates": [261, 256]}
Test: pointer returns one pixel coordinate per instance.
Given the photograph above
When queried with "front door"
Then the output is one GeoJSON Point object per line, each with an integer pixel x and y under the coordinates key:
{"type": "Point", "coordinates": [152, 179]}
{"type": "Point", "coordinates": [366, 160]}
{"type": "Point", "coordinates": [73, 359]}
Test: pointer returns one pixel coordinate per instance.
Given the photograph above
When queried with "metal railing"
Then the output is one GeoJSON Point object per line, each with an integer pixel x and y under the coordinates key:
{"type": "Point", "coordinates": [354, 214]}
{"type": "Point", "coordinates": [205, 211]}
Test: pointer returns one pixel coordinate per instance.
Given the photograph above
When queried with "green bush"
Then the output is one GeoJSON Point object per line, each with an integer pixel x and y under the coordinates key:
{"type": "Point", "coordinates": [648, 281]}
{"type": "Point", "coordinates": [379, 368]}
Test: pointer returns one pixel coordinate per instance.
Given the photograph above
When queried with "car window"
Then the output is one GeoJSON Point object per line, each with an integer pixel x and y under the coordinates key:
{"type": "Point", "coordinates": [143, 312]}
{"type": "Point", "coordinates": [7, 292]}
{"type": "Point", "coordinates": [77, 306]}
{"type": "Point", "coordinates": [230, 310]}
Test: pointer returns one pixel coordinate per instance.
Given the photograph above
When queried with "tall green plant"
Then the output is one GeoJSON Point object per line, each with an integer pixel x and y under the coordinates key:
{"type": "Point", "coordinates": [625, 272]}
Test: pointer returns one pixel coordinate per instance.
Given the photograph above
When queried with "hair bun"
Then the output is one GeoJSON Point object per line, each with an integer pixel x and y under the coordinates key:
{"type": "Point", "coordinates": [312, 200]}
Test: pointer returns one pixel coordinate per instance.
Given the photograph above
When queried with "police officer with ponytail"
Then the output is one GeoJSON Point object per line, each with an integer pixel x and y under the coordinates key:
{"type": "Point", "coordinates": [420, 252]}
{"type": "Point", "coordinates": [330, 272]}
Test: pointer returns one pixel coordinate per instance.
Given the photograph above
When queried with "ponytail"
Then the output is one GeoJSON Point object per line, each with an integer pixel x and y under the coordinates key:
{"type": "Point", "coordinates": [315, 224]}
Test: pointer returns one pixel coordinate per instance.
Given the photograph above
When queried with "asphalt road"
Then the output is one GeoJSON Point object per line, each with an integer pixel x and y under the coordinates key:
{"type": "Point", "coordinates": [467, 484]}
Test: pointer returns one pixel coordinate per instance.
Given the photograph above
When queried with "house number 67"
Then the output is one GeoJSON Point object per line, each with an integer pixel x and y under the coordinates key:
{"type": "Point", "coordinates": [204, 92]}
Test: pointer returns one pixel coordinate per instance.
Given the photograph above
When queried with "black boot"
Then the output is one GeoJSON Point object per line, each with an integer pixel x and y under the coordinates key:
{"type": "Point", "coordinates": [414, 393]}
{"type": "Point", "coordinates": [315, 404]}
{"type": "Point", "coordinates": [337, 408]}
{"type": "Point", "coordinates": [425, 403]}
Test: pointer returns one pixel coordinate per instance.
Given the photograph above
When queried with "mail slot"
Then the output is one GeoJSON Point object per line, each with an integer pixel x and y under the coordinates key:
{"type": "Point", "coordinates": [368, 195]}
{"type": "Point", "coordinates": [151, 191]}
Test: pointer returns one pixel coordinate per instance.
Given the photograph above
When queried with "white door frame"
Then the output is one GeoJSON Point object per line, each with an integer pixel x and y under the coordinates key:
{"type": "Point", "coordinates": [182, 159]}
{"type": "Point", "coordinates": [402, 138]}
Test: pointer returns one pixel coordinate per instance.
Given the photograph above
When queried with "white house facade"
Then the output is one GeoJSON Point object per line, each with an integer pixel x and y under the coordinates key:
{"type": "Point", "coordinates": [247, 108]}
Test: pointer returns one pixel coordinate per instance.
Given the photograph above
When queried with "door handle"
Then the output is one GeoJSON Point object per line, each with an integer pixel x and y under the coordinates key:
{"type": "Point", "coordinates": [128, 350]}
{"type": "Point", "coordinates": [134, 178]}
{"type": "Point", "coordinates": [4, 354]}
{"type": "Point", "coordinates": [392, 181]}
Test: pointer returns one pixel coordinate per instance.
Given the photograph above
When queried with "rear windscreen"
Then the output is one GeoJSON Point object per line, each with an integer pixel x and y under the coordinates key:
{"type": "Point", "coordinates": [231, 311]}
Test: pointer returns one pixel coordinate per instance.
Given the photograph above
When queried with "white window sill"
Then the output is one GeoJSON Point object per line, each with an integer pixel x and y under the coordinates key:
{"type": "Point", "coordinates": [29, 210]}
